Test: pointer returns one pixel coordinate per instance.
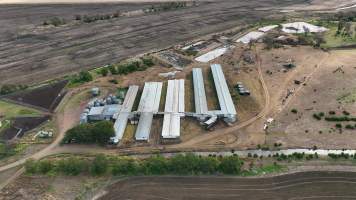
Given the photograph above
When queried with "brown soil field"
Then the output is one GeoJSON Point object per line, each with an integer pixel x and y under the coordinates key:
{"type": "Point", "coordinates": [33, 53]}
{"type": "Point", "coordinates": [307, 185]}
{"type": "Point", "coordinates": [46, 97]}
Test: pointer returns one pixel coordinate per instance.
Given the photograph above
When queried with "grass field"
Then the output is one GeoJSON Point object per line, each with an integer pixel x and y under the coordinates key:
{"type": "Point", "coordinates": [9, 110]}
{"type": "Point", "coordinates": [333, 40]}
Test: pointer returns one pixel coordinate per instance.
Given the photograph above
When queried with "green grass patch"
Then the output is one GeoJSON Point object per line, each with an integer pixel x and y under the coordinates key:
{"type": "Point", "coordinates": [10, 110]}
{"type": "Point", "coordinates": [334, 40]}
{"type": "Point", "coordinates": [268, 169]}
{"type": "Point", "coordinates": [349, 97]}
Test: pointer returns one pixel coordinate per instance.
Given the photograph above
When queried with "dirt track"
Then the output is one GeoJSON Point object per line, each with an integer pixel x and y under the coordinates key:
{"type": "Point", "coordinates": [309, 185]}
{"type": "Point", "coordinates": [32, 53]}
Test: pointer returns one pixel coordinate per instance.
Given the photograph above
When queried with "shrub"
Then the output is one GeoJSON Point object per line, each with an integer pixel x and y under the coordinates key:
{"type": "Point", "coordinates": [113, 81]}
{"type": "Point", "coordinates": [295, 111]}
{"type": "Point", "coordinates": [316, 116]}
{"type": "Point", "coordinates": [345, 112]}
{"type": "Point", "coordinates": [338, 126]}
{"type": "Point", "coordinates": [349, 126]}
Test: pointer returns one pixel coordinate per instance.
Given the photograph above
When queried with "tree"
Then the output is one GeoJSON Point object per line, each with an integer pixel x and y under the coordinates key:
{"type": "Point", "coordinates": [99, 166]}
{"type": "Point", "coordinates": [125, 167]}
{"type": "Point", "coordinates": [104, 71]}
{"type": "Point", "coordinates": [156, 165]}
{"type": "Point", "coordinates": [99, 133]}
{"type": "Point", "coordinates": [207, 165]}
{"type": "Point", "coordinates": [230, 165]}
{"type": "Point", "coordinates": [112, 69]}
{"type": "Point", "coordinates": [102, 131]}
{"type": "Point", "coordinates": [30, 166]}
{"type": "Point", "coordinates": [72, 166]}
{"type": "Point", "coordinates": [45, 166]}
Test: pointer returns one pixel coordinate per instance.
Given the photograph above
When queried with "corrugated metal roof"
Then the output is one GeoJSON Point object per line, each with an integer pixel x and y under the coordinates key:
{"type": "Point", "coordinates": [201, 106]}
{"type": "Point", "coordinates": [96, 110]}
{"type": "Point", "coordinates": [174, 109]}
{"type": "Point", "coordinates": [226, 104]}
{"type": "Point", "coordinates": [149, 104]}
{"type": "Point", "coordinates": [122, 118]}
{"type": "Point", "coordinates": [111, 110]}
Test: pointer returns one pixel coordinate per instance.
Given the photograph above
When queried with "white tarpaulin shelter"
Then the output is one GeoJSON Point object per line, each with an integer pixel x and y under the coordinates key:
{"type": "Point", "coordinates": [302, 27]}
{"type": "Point", "coordinates": [254, 35]}
{"type": "Point", "coordinates": [211, 55]}
{"type": "Point", "coordinates": [267, 28]}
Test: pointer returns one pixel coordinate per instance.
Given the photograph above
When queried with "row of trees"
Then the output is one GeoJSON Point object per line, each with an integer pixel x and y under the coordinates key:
{"type": "Point", "coordinates": [55, 21]}
{"type": "Point", "coordinates": [180, 164]}
{"type": "Point", "coordinates": [81, 77]}
{"type": "Point", "coordinates": [126, 68]}
{"type": "Point", "coordinates": [167, 6]}
{"type": "Point", "coordinates": [94, 18]}
{"type": "Point", "coordinates": [90, 133]}
{"type": "Point", "coordinates": [10, 88]}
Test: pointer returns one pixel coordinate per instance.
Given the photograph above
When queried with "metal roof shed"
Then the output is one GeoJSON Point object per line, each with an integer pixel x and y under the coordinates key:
{"type": "Point", "coordinates": [174, 109]}
{"type": "Point", "coordinates": [225, 101]}
{"type": "Point", "coordinates": [124, 112]}
{"type": "Point", "coordinates": [149, 105]}
{"type": "Point", "coordinates": [201, 105]}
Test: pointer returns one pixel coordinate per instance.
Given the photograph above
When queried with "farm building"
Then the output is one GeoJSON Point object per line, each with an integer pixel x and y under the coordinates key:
{"type": "Point", "coordinates": [148, 106]}
{"type": "Point", "coordinates": [201, 105]}
{"type": "Point", "coordinates": [106, 112]}
{"type": "Point", "coordinates": [227, 107]}
{"type": "Point", "coordinates": [174, 109]}
{"type": "Point", "coordinates": [124, 113]}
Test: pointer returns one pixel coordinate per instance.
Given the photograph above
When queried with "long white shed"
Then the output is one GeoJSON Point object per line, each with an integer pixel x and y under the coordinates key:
{"type": "Point", "coordinates": [148, 106]}
{"type": "Point", "coordinates": [174, 109]}
{"type": "Point", "coordinates": [227, 106]}
{"type": "Point", "coordinates": [124, 113]}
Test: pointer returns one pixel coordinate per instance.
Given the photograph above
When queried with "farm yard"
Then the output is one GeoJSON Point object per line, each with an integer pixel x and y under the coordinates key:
{"type": "Point", "coordinates": [243, 88]}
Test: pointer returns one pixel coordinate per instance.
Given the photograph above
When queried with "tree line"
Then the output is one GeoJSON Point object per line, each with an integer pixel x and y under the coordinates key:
{"type": "Point", "coordinates": [126, 68]}
{"type": "Point", "coordinates": [180, 164]}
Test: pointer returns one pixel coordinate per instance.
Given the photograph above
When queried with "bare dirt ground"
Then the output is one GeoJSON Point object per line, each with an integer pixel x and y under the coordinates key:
{"type": "Point", "coordinates": [45, 187]}
{"type": "Point", "coordinates": [330, 89]}
{"type": "Point", "coordinates": [33, 53]}
{"type": "Point", "coordinates": [315, 185]}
